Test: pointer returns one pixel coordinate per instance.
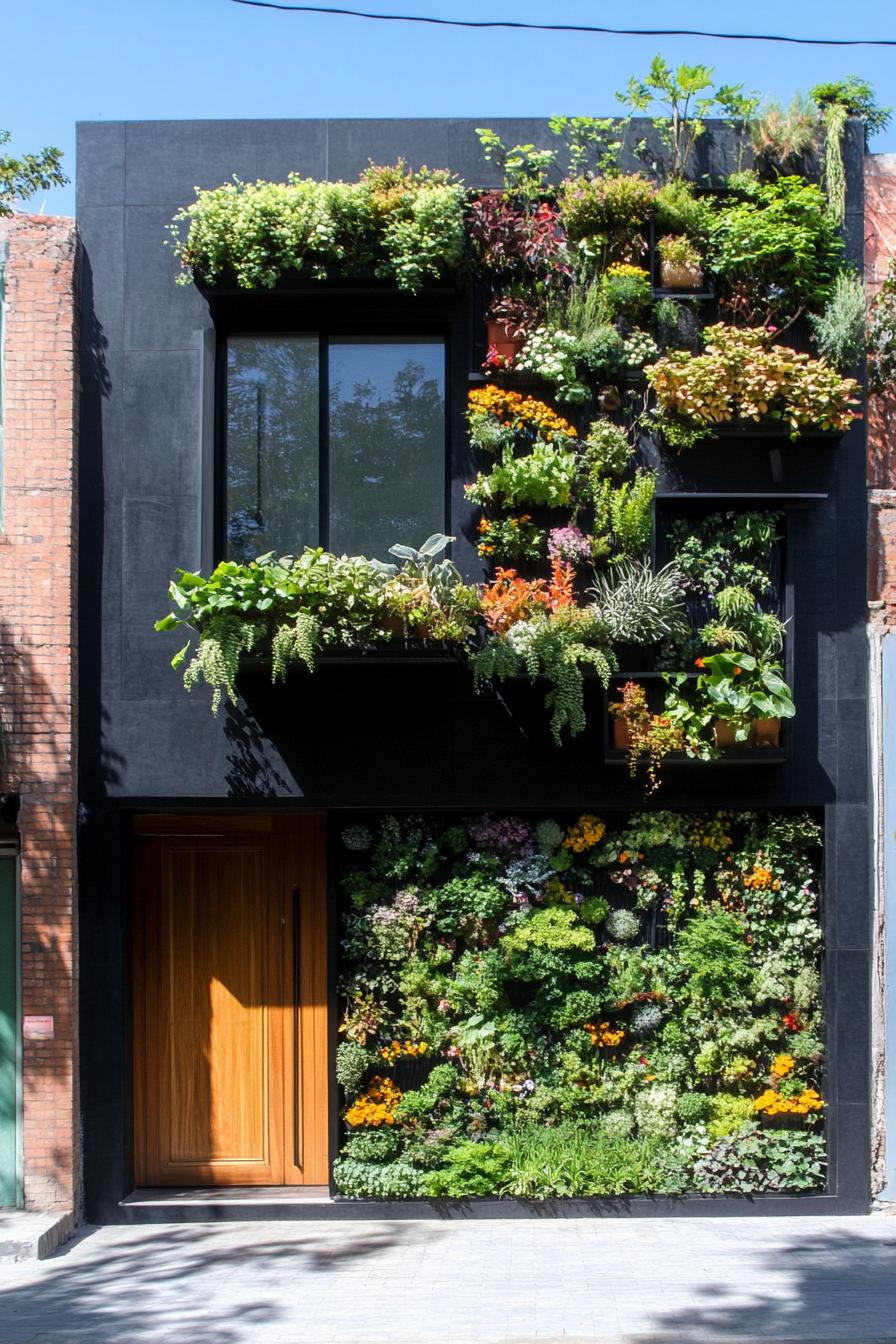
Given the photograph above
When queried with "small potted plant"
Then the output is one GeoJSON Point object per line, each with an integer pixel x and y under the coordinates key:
{"type": "Point", "coordinates": [737, 700]}
{"type": "Point", "coordinates": [681, 265]}
{"type": "Point", "coordinates": [508, 324]}
{"type": "Point", "coordinates": [642, 734]}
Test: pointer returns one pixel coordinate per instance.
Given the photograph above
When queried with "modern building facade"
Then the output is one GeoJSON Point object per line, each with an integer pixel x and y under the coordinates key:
{"type": "Point", "coordinates": [209, 934]}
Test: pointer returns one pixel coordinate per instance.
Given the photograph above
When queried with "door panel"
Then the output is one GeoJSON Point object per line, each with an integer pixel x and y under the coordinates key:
{"type": "Point", "coordinates": [225, 1018]}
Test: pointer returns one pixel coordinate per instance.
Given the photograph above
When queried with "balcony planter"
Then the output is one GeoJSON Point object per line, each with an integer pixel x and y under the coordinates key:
{"type": "Point", "coordinates": [678, 276]}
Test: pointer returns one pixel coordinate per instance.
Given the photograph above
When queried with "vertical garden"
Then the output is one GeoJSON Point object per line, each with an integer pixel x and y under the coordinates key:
{"type": "Point", "coordinates": [548, 1003]}
{"type": "Point", "coordinates": [581, 1007]}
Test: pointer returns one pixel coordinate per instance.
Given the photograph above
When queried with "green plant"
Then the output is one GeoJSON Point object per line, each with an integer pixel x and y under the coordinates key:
{"type": "Point", "coordinates": [639, 349]}
{"type": "Point", "coordinates": [741, 626]}
{"type": "Point", "coordinates": [607, 216]}
{"type": "Point", "coordinates": [679, 209]}
{"type": "Point", "coordinates": [754, 1160]}
{"type": "Point", "coordinates": [686, 98]}
{"type": "Point", "coordinates": [651, 737]}
{"type": "Point", "coordinates": [309, 602]}
{"type": "Point", "coordinates": [592, 143]}
{"type": "Point", "coordinates": [373, 1180]}
{"type": "Point", "coordinates": [20, 179]}
{"type": "Point", "coordinates": [406, 226]}
{"type": "Point", "coordinates": [783, 137]}
{"type": "Point", "coordinates": [776, 250]}
{"type": "Point", "coordinates": [741, 377]}
{"type": "Point", "coordinates": [515, 537]}
{"type": "Point", "coordinates": [857, 98]}
{"type": "Point", "coordinates": [882, 335]}
{"type": "Point", "coordinates": [713, 953]}
{"type": "Point", "coordinates": [626, 289]}
{"type": "Point", "coordinates": [526, 168]}
{"type": "Point", "coordinates": [606, 451]}
{"type": "Point", "coordinates": [667, 316]}
{"type": "Point", "coordinates": [726, 550]}
{"type": "Point", "coordinates": [679, 251]}
{"type": "Point", "coordinates": [560, 647]}
{"type": "Point", "coordinates": [543, 477]}
{"type": "Point", "coordinates": [733, 687]}
{"type": "Point", "coordinates": [639, 606]}
{"type": "Point", "coordinates": [551, 353]}
{"type": "Point", "coordinates": [839, 331]}
{"type": "Point", "coordinates": [623, 514]}
{"type": "Point", "coordinates": [352, 1063]}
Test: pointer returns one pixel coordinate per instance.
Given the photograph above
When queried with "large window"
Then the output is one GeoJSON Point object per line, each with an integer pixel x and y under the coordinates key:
{"type": "Point", "coordinates": [333, 441]}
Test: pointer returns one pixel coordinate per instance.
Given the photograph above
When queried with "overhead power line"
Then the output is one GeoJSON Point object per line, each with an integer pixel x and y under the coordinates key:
{"type": "Point", "coordinates": [575, 27]}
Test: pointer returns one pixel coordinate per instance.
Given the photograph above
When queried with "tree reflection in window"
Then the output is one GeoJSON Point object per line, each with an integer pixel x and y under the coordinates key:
{"type": "Point", "coordinates": [385, 468]}
{"type": "Point", "coordinates": [273, 426]}
{"type": "Point", "coordinates": [387, 443]}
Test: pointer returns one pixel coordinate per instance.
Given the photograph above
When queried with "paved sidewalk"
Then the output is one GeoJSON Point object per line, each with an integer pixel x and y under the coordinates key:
{"type": "Point", "coordinates": [630, 1282]}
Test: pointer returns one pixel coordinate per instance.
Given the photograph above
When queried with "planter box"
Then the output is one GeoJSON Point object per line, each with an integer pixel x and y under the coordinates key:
{"type": "Point", "coordinates": [747, 753]}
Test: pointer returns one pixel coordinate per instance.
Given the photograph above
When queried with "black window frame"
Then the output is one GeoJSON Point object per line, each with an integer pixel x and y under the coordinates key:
{"type": "Point", "coordinates": [320, 321]}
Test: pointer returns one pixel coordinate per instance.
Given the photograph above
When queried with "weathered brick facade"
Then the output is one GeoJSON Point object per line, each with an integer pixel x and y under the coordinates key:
{"type": "Point", "coordinates": [880, 247]}
{"type": "Point", "coordinates": [38, 650]}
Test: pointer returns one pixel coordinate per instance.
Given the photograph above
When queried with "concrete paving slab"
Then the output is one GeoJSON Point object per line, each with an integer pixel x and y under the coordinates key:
{"type": "Point", "coordinates": [692, 1281]}
{"type": "Point", "coordinates": [32, 1236]}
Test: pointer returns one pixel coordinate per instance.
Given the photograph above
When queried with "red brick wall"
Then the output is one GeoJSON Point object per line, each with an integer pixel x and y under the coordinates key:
{"type": "Point", "coordinates": [880, 246]}
{"type": "Point", "coordinates": [38, 651]}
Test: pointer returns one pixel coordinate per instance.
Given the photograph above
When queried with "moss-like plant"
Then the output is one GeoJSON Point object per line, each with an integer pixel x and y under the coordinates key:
{"type": "Point", "coordinates": [402, 225]}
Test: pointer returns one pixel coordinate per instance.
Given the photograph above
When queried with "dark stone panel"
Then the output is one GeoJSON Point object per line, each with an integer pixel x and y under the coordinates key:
{"type": "Point", "coordinates": [101, 230]}
{"type": "Point", "coordinates": [167, 160]}
{"type": "Point", "coordinates": [852, 846]}
{"type": "Point", "coordinates": [163, 408]}
{"type": "Point", "coordinates": [105, 1010]}
{"type": "Point", "coordinates": [101, 159]}
{"type": "Point", "coordinates": [852, 749]}
{"type": "Point", "coordinates": [158, 536]}
{"type": "Point", "coordinates": [159, 314]}
{"type": "Point", "coordinates": [852, 986]}
{"type": "Point", "coordinates": [851, 1155]}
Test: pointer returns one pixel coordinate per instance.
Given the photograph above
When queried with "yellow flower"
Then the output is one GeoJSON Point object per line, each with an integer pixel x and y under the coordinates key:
{"type": "Point", "coordinates": [584, 834]}
{"type": "Point", "coordinates": [377, 1104]}
{"type": "Point", "coordinates": [782, 1066]}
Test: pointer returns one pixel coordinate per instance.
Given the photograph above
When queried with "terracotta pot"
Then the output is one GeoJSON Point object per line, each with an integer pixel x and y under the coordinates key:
{"type": "Point", "coordinates": [497, 337]}
{"type": "Point", "coordinates": [765, 733]}
{"type": "Point", "coordinates": [622, 738]}
{"type": "Point", "coordinates": [680, 276]}
{"type": "Point", "coordinates": [724, 734]}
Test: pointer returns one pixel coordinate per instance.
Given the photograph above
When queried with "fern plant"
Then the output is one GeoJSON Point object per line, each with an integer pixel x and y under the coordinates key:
{"type": "Point", "coordinates": [559, 647]}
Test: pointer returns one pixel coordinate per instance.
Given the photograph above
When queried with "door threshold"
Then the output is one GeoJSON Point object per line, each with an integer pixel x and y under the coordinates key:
{"type": "Point", "coordinates": [225, 1203]}
{"type": "Point", "coordinates": [185, 1196]}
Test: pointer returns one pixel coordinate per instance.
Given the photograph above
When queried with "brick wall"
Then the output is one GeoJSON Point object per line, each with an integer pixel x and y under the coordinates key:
{"type": "Point", "coordinates": [38, 652]}
{"type": "Point", "coordinates": [880, 246]}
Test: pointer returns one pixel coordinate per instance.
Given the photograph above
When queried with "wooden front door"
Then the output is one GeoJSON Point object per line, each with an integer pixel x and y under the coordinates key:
{"type": "Point", "coordinates": [230, 1001]}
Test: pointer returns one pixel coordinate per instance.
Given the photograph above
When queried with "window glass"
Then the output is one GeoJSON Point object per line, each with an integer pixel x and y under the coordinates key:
{"type": "Point", "coordinates": [386, 443]}
{"type": "Point", "coordinates": [273, 429]}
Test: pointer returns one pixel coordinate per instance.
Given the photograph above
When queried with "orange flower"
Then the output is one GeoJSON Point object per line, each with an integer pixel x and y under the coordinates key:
{"type": "Point", "coordinates": [737, 671]}
{"type": "Point", "coordinates": [698, 662]}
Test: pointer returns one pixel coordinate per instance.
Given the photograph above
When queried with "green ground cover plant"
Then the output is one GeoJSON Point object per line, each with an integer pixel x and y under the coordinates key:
{"type": "Point", "coordinates": [581, 1007]}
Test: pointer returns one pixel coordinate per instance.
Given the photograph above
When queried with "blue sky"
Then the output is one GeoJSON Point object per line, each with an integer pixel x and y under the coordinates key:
{"type": "Point", "coordinates": [152, 59]}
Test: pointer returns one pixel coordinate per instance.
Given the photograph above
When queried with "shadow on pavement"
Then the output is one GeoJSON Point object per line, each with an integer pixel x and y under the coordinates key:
{"type": "Point", "coordinates": [189, 1283]}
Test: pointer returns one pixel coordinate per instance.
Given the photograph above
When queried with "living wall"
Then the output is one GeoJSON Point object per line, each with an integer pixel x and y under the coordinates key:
{"type": "Point", "coordinates": [581, 1006]}
{"type": "Point", "coordinates": [626, 309]}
